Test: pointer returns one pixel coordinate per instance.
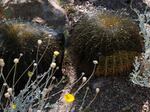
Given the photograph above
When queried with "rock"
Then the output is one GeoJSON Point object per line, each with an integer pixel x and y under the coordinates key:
{"type": "Point", "coordinates": [147, 2]}
{"type": "Point", "coordinates": [116, 4]}
{"type": "Point", "coordinates": [48, 10]}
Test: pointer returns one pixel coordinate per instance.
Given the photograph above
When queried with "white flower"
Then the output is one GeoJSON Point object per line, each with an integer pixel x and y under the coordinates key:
{"type": "Point", "coordinates": [39, 42]}
{"type": "Point", "coordinates": [4, 84]}
{"type": "Point", "coordinates": [84, 79]}
{"type": "Point", "coordinates": [16, 60]}
{"type": "Point", "coordinates": [82, 73]}
{"type": "Point", "coordinates": [35, 64]}
{"type": "Point", "coordinates": [21, 54]}
{"type": "Point", "coordinates": [53, 78]}
{"type": "Point", "coordinates": [95, 62]}
{"type": "Point", "coordinates": [7, 95]}
{"type": "Point", "coordinates": [97, 90]}
{"type": "Point", "coordinates": [53, 65]}
{"type": "Point", "coordinates": [9, 90]}
{"type": "Point", "coordinates": [49, 35]}
{"type": "Point", "coordinates": [2, 63]}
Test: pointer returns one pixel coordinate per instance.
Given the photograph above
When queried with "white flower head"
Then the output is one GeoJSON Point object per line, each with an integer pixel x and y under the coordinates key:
{"type": "Point", "coordinates": [2, 63]}
{"type": "Point", "coordinates": [97, 90]}
{"type": "Point", "coordinates": [16, 60]}
{"type": "Point", "coordinates": [39, 42]}
{"type": "Point", "coordinates": [53, 78]}
{"type": "Point", "coordinates": [9, 90]}
{"type": "Point", "coordinates": [84, 79]}
{"type": "Point", "coordinates": [21, 54]}
{"type": "Point", "coordinates": [82, 73]}
{"type": "Point", "coordinates": [4, 84]}
{"type": "Point", "coordinates": [53, 65]}
{"type": "Point", "coordinates": [7, 95]}
{"type": "Point", "coordinates": [35, 64]}
{"type": "Point", "coordinates": [50, 35]}
{"type": "Point", "coordinates": [95, 62]}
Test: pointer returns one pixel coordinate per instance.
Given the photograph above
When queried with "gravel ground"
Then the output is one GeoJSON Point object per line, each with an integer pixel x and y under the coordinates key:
{"type": "Point", "coordinates": [119, 96]}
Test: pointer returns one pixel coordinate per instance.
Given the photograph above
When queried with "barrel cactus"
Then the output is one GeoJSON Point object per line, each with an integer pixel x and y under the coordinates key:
{"type": "Point", "coordinates": [18, 36]}
{"type": "Point", "coordinates": [110, 37]}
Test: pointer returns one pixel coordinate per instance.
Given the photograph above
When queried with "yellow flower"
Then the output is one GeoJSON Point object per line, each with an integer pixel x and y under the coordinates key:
{"type": "Point", "coordinates": [69, 98]}
{"type": "Point", "coordinates": [56, 53]}
{"type": "Point", "coordinates": [30, 74]}
{"type": "Point", "coordinates": [13, 106]}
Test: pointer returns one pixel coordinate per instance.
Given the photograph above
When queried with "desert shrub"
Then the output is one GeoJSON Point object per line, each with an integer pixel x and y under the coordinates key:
{"type": "Point", "coordinates": [141, 72]}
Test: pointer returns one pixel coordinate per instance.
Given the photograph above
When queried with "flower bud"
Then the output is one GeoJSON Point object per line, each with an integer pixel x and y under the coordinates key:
{"type": "Point", "coordinates": [4, 84]}
{"type": "Point", "coordinates": [2, 63]}
{"type": "Point", "coordinates": [56, 53]}
{"type": "Point", "coordinates": [35, 64]}
{"type": "Point", "coordinates": [53, 65]}
{"type": "Point", "coordinates": [84, 79]}
{"type": "Point", "coordinates": [39, 42]}
{"type": "Point", "coordinates": [21, 54]}
{"type": "Point", "coordinates": [50, 35]}
{"type": "Point", "coordinates": [82, 73]}
{"type": "Point", "coordinates": [97, 90]}
{"type": "Point", "coordinates": [7, 95]}
{"type": "Point", "coordinates": [95, 62]}
{"type": "Point", "coordinates": [16, 60]}
{"type": "Point", "coordinates": [53, 78]}
{"type": "Point", "coordinates": [9, 90]}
